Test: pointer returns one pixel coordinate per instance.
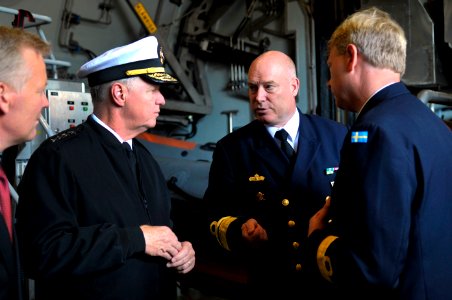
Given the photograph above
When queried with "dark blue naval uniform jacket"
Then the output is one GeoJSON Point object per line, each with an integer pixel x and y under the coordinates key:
{"type": "Point", "coordinates": [79, 214]}
{"type": "Point", "coordinates": [392, 203]}
{"type": "Point", "coordinates": [251, 178]}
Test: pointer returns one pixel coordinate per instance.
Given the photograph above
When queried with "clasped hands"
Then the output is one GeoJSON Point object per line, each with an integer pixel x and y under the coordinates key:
{"type": "Point", "coordinates": [162, 241]}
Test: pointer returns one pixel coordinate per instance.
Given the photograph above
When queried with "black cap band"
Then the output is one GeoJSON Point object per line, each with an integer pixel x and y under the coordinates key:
{"type": "Point", "coordinates": [119, 72]}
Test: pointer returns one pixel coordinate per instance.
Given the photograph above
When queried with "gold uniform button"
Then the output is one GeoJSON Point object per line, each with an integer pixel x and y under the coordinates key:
{"type": "Point", "coordinates": [298, 267]}
{"type": "Point", "coordinates": [285, 202]}
{"type": "Point", "coordinates": [291, 223]}
{"type": "Point", "coordinates": [295, 245]}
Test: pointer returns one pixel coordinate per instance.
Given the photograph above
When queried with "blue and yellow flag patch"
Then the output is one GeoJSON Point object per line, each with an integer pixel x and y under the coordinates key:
{"type": "Point", "coordinates": [359, 136]}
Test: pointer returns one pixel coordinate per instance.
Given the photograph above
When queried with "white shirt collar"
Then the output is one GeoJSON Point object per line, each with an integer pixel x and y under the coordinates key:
{"type": "Point", "coordinates": [111, 130]}
{"type": "Point", "coordinates": [291, 127]}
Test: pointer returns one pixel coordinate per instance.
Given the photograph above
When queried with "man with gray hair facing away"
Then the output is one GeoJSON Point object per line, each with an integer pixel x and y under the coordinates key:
{"type": "Point", "coordinates": [386, 232]}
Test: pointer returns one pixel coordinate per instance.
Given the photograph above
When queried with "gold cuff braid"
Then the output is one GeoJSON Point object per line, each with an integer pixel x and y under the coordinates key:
{"type": "Point", "coordinates": [324, 262]}
{"type": "Point", "coordinates": [219, 229]}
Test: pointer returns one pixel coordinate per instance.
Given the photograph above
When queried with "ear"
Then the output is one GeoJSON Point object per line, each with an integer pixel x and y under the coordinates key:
{"type": "Point", "coordinates": [4, 97]}
{"type": "Point", "coordinates": [119, 93]}
{"type": "Point", "coordinates": [295, 86]}
{"type": "Point", "coordinates": [352, 55]}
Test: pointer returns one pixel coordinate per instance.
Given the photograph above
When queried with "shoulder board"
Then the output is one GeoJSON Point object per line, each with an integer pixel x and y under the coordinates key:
{"type": "Point", "coordinates": [66, 134]}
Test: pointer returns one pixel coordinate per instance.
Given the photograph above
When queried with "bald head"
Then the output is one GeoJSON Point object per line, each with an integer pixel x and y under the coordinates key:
{"type": "Point", "coordinates": [272, 88]}
{"type": "Point", "coordinates": [277, 59]}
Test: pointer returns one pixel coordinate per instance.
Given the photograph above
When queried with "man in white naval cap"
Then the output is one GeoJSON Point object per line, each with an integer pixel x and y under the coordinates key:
{"type": "Point", "coordinates": [94, 211]}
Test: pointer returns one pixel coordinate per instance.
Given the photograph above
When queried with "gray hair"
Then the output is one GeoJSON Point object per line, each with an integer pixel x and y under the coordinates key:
{"type": "Point", "coordinates": [12, 42]}
{"type": "Point", "coordinates": [102, 91]}
{"type": "Point", "coordinates": [379, 38]}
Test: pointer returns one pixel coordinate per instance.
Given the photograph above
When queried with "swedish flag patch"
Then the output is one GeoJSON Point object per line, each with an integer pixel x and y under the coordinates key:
{"type": "Point", "coordinates": [359, 136]}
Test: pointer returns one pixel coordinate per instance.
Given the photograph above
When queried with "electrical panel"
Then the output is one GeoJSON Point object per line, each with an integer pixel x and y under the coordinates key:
{"type": "Point", "coordinates": [69, 106]}
{"type": "Point", "coordinates": [67, 109]}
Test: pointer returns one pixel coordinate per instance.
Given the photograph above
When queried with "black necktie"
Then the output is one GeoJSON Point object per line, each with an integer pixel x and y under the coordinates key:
{"type": "Point", "coordinates": [285, 146]}
{"type": "Point", "coordinates": [132, 158]}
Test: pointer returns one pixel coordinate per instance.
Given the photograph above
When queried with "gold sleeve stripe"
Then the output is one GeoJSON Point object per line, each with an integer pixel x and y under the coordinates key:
{"type": "Point", "coordinates": [219, 229]}
{"type": "Point", "coordinates": [324, 262]}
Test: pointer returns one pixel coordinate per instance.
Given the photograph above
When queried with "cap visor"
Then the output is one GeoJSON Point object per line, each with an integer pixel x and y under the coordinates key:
{"type": "Point", "coordinates": [159, 78]}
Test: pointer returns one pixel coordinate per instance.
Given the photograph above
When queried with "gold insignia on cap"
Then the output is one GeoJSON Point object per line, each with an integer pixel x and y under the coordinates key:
{"type": "Point", "coordinates": [257, 177]}
{"type": "Point", "coordinates": [162, 77]}
{"type": "Point", "coordinates": [162, 57]}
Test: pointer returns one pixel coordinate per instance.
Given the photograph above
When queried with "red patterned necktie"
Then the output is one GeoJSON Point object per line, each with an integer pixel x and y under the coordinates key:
{"type": "Point", "coordinates": [5, 202]}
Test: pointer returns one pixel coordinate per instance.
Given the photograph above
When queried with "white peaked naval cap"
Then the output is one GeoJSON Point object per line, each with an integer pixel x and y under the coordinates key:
{"type": "Point", "coordinates": [143, 58]}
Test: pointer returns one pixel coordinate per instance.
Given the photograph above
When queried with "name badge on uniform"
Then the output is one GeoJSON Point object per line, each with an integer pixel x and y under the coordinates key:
{"type": "Point", "coordinates": [359, 136]}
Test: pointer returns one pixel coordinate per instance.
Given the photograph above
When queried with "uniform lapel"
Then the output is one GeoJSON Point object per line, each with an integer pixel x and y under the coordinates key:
{"type": "Point", "coordinates": [268, 150]}
{"type": "Point", "coordinates": [308, 147]}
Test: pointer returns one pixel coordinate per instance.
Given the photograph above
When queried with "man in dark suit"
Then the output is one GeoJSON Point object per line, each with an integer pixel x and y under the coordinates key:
{"type": "Point", "coordinates": [389, 235]}
{"type": "Point", "coordinates": [94, 209]}
{"type": "Point", "coordinates": [23, 80]}
{"type": "Point", "coordinates": [260, 199]}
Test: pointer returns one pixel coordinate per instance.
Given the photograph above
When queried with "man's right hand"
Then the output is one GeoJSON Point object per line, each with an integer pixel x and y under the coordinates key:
{"type": "Point", "coordinates": [319, 220]}
{"type": "Point", "coordinates": [253, 232]}
{"type": "Point", "coordinates": [160, 241]}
